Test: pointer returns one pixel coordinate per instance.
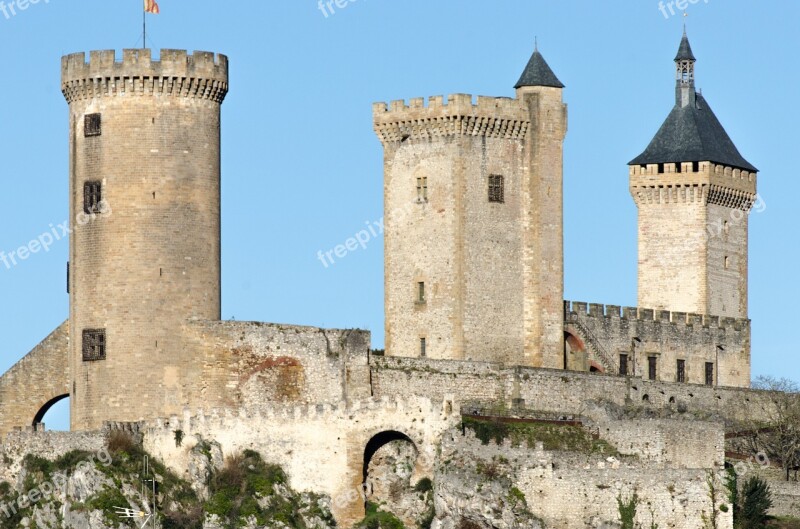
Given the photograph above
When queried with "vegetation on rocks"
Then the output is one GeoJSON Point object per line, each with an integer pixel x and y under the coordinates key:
{"type": "Point", "coordinates": [552, 436]}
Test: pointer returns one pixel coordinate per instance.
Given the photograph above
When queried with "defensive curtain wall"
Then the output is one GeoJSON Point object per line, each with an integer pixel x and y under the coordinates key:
{"type": "Point", "coordinates": [224, 364]}
{"type": "Point", "coordinates": [707, 346]}
{"type": "Point", "coordinates": [316, 402]}
{"type": "Point", "coordinates": [36, 382]}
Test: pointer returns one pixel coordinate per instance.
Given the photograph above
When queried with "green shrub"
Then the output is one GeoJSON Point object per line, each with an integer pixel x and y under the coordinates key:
{"type": "Point", "coordinates": [552, 436]}
{"type": "Point", "coordinates": [518, 495]}
{"type": "Point", "coordinates": [376, 519]}
{"type": "Point", "coordinates": [627, 510]}
{"type": "Point", "coordinates": [756, 502]}
{"type": "Point", "coordinates": [424, 485]}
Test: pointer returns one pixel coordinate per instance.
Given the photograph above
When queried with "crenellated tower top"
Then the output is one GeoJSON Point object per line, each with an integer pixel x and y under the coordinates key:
{"type": "Point", "coordinates": [202, 75]}
{"type": "Point", "coordinates": [458, 115]}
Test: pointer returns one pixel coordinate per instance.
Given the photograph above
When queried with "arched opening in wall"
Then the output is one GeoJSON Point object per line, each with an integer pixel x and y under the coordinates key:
{"type": "Point", "coordinates": [594, 367]}
{"type": "Point", "coordinates": [574, 352]}
{"type": "Point", "coordinates": [390, 460]}
{"type": "Point", "coordinates": [54, 414]}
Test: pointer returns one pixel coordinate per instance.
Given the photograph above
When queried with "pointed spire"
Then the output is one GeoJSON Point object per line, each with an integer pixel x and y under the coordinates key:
{"type": "Point", "coordinates": [538, 72]}
{"type": "Point", "coordinates": [691, 133]}
{"type": "Point", "coordinates": [685, 49]}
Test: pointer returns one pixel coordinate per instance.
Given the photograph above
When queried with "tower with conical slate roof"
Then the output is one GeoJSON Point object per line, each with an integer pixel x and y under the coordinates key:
{"type": "Point", "coordinates": [473, 224]}
{"type": "Point", "coordinates": [693, 190]}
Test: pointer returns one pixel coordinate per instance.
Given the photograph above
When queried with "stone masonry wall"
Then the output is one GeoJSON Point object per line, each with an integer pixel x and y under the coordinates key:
{"type": "Point", "coordinates": [675, 444]}
{"type": "Point", "coordinates": [321, 447]}
{"type": "Point", "coordinates": [233, 364]}
{"type": "Point", "coordinates": [35, 382]}
{"type": "Point", "coordinates": [49, 445]}
{"type": "Point", "coordinates": [569, 490]}
{"type": "Point", "coordinates": [668, 336]}
{"type": "Point", "coordinates": [551, 390]}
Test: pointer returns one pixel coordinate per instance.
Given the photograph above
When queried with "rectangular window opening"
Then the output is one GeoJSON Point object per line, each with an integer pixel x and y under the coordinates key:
{"type": "Point", "coordinates": [623, 364]}
{"type": "Point", "coordinates": [91, 125]}
{"type": "Point", "coordinates": [421, 292]}
{"type": "Point", "coordinates": [92, 196]}
{"type": "Point", "coordinates": [681, 371]}
{"type": "Point", "coordinates": [651, 367]}
{"type": "Point", "coordinates": [496, 188]}
{"type": "Point", "coordinates": [94, 345]}
{"type": "Point", "coordinates": [709, 373]}
{"type": "Point", "coordinates": [422, 347]}
{"type": "Point", "coordinates": [422, 189]}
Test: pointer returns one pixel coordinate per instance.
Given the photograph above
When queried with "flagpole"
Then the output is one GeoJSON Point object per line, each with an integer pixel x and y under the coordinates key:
{"type": "Point", "coordinates": [144, 29]}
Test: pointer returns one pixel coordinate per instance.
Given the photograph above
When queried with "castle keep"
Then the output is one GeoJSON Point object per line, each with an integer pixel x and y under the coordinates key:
{"type": "Point", "coordinates": [473, 226]}
{"type": "Point", "coordinates": [474, 285]}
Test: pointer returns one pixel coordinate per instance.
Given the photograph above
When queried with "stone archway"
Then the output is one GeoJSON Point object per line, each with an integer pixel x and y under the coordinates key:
{"type": "Point", "coordinates": [39, 417]}
{"type": "Point", "coordinates": [391, 472]}
{"type": "Point", "coordinates": [595, 367]}
{"type": "Point", "coordinates": [575, 355]}
{"type": "Point", "coordinates": [35, 383]}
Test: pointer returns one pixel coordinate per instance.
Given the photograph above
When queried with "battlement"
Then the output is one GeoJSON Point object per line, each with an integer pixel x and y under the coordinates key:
{"type": "Point", "coordinates": [595, 310]}
{"type": "Point", "coordinates": [202, 75]}
{"type": "Point", "coordinates": [289, 414]}
{"type": "Point", "coordinates": [459, 115]}
{"type": "Point", "coordinates": [704, 182]}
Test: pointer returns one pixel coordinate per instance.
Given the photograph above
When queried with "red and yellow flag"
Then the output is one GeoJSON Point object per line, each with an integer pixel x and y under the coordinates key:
{"type": "Point", "coordinates": [150, 6]}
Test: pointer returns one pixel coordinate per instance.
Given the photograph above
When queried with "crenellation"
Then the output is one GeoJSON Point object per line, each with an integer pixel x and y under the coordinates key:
{"type": "Point", "coordinates": [203, 75]}
{"type": "Point", "coordinates": [459, 116]}
{"type": "Point", "coordinates": [694, 319]}
{"type": "Point", "coordinates": [580, 307]}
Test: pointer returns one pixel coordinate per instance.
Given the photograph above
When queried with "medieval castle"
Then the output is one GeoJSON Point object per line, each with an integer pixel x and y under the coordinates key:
{"type": "Point", "coordinates": [474, 304]}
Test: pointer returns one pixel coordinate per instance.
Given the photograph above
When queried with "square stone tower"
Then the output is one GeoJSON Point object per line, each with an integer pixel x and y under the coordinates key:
{"type": "Point", "coordinates": [694, 192]}
{"type": "Point", "coordinates": [473, 224]}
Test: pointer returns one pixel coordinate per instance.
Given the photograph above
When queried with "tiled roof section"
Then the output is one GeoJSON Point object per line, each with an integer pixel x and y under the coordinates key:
{"type": "Point", "coordinates": [693, 134]}
{"type": "Point", "coordinates": [685, 50]}
{"type": "Point", "coordinates": [538, 73]}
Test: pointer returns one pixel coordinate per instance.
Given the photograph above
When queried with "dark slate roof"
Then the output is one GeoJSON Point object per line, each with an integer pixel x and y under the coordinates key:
{"type": "Point", "coordinates": [685, 50]}
{"type": "Point", "coordinates": [693, 134]}
{"type": "Point", "coordinates": [538, 73]}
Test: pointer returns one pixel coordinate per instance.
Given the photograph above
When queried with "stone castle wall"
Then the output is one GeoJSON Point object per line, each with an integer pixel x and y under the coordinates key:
{"type": "Point", "coordinates": [569, 489]}
{"type": "Point", "coordinates": [36, 382]}
{"type": "Point", "coordinates": [696, 339]}
{"type": "Point", "coordinates": [322, 447]}
{"type": "Point", "coordinates": [552, 390]}
{"type": "Point", "coordinates": [233, 364]}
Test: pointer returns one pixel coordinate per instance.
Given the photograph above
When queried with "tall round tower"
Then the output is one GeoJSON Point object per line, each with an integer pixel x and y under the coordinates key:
{"type": "Point", "coordinates": [145, 225]}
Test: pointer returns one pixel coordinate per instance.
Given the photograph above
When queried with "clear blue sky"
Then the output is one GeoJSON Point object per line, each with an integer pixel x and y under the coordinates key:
{"type": "Point", "coordinates": [302, 169]}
